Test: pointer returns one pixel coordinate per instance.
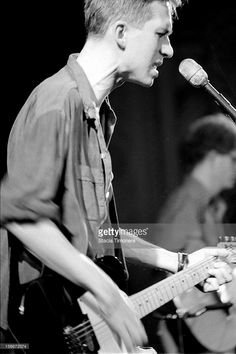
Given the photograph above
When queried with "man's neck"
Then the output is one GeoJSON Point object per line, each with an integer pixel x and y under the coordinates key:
{"type": "Point", "coordinates": [100, 66]}
{"type": "Point", "coordinates": [203, 175]}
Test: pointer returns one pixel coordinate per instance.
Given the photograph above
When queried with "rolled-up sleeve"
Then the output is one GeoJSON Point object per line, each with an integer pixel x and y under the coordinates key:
{"type": "Point", "coordinates": [36, 157]}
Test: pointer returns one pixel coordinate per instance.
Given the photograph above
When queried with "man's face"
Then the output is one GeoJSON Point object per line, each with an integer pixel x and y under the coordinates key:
{"type": "Point", "coordinates": [227, 170]}
{"type": "Point", "coordinates": [147, 46]}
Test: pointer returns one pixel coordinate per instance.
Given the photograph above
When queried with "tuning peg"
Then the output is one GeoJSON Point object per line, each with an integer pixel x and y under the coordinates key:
{"type": "Point", "coordinates": [227, 239]}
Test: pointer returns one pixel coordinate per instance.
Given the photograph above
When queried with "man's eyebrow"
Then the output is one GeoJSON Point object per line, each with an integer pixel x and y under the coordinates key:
{"type": "Point", "coordinates": [165, 31]}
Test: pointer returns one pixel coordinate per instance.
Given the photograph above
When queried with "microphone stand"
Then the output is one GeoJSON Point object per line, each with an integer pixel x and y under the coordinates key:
{"type": "Point", "coordinates": [221, 101]}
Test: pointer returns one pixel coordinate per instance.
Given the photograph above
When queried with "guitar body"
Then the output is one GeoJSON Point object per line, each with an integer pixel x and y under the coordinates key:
{"type": "Point", "coordinates": [51, 308]}
{"type": "Point", "coordinates": [48, 307]}
{"type": "Point", "coordinates": [60, 318]}
{"type": "Point", "coordinates": [109, 343]}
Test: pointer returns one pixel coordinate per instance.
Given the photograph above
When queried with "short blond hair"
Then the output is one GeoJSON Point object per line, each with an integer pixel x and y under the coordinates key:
{"type": "Point", "coordinates": [99, 14]}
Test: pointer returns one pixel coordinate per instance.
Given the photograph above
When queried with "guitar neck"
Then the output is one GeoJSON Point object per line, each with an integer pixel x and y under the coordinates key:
{"type": "Point", "coordinates": [159, 294]}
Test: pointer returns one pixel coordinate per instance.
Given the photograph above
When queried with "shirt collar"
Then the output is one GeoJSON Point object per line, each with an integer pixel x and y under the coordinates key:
{"type": "Point", "coordinates": [90, 103]}
{"type": "Point", "coordinates": [89, 99]}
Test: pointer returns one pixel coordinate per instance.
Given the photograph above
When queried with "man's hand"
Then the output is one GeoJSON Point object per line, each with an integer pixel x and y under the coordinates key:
{"type": "Point", "coordinates": [118, 311]}
{"type": "Point", "coordinates": [219, 274]}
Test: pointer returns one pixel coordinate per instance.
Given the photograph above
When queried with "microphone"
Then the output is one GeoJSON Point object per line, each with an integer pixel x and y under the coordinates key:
{"type": "Point", "coordinates": [196, 76]}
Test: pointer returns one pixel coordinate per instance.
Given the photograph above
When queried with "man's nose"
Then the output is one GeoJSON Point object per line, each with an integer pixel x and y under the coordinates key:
{"type": "Point", "coordinates": [166, 49]}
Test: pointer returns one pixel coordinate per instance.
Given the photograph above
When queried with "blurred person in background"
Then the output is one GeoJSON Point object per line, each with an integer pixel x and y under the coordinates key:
{"type": "Point", "coordinates": [192, 218]}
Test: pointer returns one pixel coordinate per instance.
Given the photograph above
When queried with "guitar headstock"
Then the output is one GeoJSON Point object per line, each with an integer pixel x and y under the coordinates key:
{"type": "Point", "coordinates": [229, 243]}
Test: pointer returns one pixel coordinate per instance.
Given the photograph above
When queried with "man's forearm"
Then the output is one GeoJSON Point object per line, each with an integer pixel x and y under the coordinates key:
{"type": "Point", "coordinates": [146, 252]}
{"type": "Point", "coordinates": [48, 244]}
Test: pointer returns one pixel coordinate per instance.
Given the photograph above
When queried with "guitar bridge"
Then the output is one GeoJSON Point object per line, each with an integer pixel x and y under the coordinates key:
{"type": "Point", "coordinates": [81, 338]}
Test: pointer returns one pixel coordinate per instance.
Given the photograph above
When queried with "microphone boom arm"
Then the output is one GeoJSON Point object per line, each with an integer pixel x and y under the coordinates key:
{"type": "Point", "coordinates": [221, 100]}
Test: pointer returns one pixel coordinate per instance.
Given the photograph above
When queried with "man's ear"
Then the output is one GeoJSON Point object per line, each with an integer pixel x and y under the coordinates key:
{"type": "Point", "coordinates": [121, 34]}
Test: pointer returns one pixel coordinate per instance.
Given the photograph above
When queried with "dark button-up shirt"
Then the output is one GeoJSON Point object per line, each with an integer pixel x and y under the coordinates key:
{"type": "Point", "coordinates": [59, 166]}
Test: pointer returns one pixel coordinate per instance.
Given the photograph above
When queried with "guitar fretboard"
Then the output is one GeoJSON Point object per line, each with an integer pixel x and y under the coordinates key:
{"type": "Point", "coordinates": [159, 294]}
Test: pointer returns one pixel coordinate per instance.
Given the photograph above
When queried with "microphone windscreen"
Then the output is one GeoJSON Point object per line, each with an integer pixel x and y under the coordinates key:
{"type": "Point", "coordinates": [193, 73]}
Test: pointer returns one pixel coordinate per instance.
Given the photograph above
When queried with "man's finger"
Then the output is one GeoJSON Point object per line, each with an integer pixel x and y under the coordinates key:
{"type": "Point", "coordinates": [218, 252]}
{"type": "Point", "coordinates": [222, 275]}
{"type": "Point", "coordinates": [211, 284]}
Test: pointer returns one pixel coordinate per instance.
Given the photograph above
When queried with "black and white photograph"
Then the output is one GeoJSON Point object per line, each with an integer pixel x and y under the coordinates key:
{"type": "Point", "coordinates": [118, 177]}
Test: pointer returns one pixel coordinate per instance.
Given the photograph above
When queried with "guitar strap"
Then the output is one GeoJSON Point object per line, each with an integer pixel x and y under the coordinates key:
{"type": "Point", "coordinates": [115, 224]}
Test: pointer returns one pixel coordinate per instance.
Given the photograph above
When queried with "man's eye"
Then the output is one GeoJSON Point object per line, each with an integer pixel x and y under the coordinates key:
{"type": "Point", "coordinates": [161, 34]}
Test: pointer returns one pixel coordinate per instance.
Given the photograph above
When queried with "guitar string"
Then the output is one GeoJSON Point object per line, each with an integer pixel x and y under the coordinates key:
{"type": "Point", "coordinates": [168, 281]}
{"type": "Point", "coordinates": [98, 329]}
{"type": "Point", "coordinates": [13, 335]}
{"type": "Point", "coordinates": [88, 328]}
{"type": "Point", "coordinates": [100, 325]}
{"type": "Point", "coordinates": [186, 271]}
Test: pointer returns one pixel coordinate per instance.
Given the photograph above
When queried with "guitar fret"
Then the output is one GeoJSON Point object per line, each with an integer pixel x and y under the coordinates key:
{"type": "Point", "coordinates": [144, 309]}
{"type": "Point", "coordinates": [151, 300]}
{"type": "Point", "coordinates": [140, 309]}
{"type": "Point", "coordinates": [166, 296]}
{"type": "Point", "coordinates": [183, 283]}
{"type": "Point", "coordinates": [195, 276]}
{"type": "Point", "coordinates": [156, 298]}
{"type": "Point", "coordinates": [173, 289]}
{"type": "Point", "coordinates": [155, 301]}
{"type": "Point", "coordinates": [189, 281]}
{"type": "Point", "coordinates": [160, 297]}
{"type": "Point", "coordinates": [169, 292]}
{"type": "Point", "coordinates": [178, 287]}
{"type": "Point", "coordinates": [163, 295]}
{"type": "Point", "coordinates": [147, 306]}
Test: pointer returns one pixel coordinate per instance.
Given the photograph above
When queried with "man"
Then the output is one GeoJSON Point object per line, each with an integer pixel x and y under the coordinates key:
{"type": "Point", "coordinates": [208, 156]}
{"type": "Point", "coordinates": [193, 215]}
{"type": "Point", "coordinates": [59, 168]}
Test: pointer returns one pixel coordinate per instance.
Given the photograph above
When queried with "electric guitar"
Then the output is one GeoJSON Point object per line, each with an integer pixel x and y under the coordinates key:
{"type": "Point", "coordinates": [57, 319]}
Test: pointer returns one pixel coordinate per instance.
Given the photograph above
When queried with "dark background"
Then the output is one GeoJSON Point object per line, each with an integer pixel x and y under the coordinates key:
{"type": "Point", "coordinates": [38, 41]}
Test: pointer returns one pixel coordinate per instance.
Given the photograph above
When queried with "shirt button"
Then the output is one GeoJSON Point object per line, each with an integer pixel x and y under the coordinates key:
{"type": "Point", "coordinates": [103, 155]}
{"type": "Point", "coordinates": [107, 195]}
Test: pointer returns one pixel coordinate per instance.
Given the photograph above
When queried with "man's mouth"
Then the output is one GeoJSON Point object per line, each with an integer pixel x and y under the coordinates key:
{"type": "Point", "coordinates": [157, 64]}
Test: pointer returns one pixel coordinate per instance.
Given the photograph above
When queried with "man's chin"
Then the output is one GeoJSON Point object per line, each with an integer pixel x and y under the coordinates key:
{"type": "Point", "coordinates": [147, 83]}
{"type": "Point", "coordinates": [142, 82]}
